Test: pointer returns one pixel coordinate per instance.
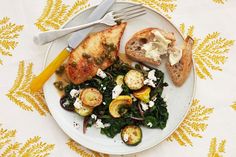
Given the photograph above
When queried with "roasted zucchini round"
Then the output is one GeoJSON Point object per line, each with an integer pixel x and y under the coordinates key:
{"type": "Point", "coordinates": [117, 104]}
{"type": "Point", "coordinates": [134, 80]}
{"type": "Point", "coordinates": [131, 135]}
{"type": "Point", "coordinates": [143, 94]}
{"type": "Point", "coordinates": [91, 97]}
{"type": "Point", "coordinates": [120, 79]}
{"type": "Point", "coordinates": [84, 110]}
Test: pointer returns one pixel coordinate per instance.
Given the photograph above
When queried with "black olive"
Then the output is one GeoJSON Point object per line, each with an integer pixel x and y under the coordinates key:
{"type": "Point", "coordinates": [66, 104]}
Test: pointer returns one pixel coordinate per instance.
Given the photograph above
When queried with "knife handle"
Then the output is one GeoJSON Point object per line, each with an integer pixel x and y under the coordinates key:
{"type": "Point", "coordinates": [39, 81]}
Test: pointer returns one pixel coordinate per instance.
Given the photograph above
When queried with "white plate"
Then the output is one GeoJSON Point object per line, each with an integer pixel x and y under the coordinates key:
{"type": "Point", "coordinates": [179, 99]}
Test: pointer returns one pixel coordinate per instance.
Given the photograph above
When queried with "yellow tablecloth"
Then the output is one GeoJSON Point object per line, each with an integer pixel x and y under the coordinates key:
{"type": "Point", "coordinates": [26, 126]}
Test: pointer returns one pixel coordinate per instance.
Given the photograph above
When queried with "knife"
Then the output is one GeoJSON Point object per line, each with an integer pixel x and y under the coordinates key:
{"type": "Point", "coordinates": [73, 42]}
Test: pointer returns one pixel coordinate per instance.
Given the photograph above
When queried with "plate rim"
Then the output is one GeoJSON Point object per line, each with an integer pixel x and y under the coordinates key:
{"type": "Point", "coordinates": [146, 147]}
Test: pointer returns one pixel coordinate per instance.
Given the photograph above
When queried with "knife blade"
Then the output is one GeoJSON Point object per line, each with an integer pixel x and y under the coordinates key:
{"type": "Point", "coordinates": [73, 42]}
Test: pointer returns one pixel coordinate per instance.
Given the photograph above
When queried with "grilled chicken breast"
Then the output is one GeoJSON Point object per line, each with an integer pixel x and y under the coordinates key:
{"type": "Point", "coordinates": [98, 50]}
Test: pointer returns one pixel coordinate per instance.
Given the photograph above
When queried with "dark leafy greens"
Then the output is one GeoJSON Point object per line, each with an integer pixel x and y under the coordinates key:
{"type": "Point", "coordinates": [157, 115]}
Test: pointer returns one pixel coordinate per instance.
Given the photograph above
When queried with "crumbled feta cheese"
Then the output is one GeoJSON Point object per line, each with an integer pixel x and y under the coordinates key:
{"type": "Point", "coordinates": [101, 73]}
{"type": "Point", "coordinates": [145, 68]}
{"type": "Point", "coordinates": [107, 125]}
{"type": "Point", "coordinates": [74, 93]}
{"type": "Point", "coordinates": [151, 103]}
{"type": "Point", "coordinates": [151, 79]}
{"type": "Point", "coordinates": [93, 116]}
{"type": "Point", "coordinates": [149, 124]}
{"type": "Point", "coordinates": [101, 85]}
{"type": "Point", "coordinates": [99, 124]}
{"type": "Point", "coordinates": [77, 103]}
{"type": "Point", "coordinates": [66, 103]}
{"type": "Point", "coordinates": [117, 91]}
{"type": "Point", "coordinates": [126, 137]}
{"type": "Point", "coordinates": [104, 103]}
{"type": "Point", "coordinates": [154, 99]}
{"type": "Point", "coordinates": [104, 88]}
{"type": "Point", "coordinates": [151, 75]}
{"type": "Point", "coordinates": [149, 82]}
{"type": "Point", "coordinates": [133, 97]}
{"type": "Point", "coordinates": [144, 106]}
{"type": "Point", "coordinates": [165, 98]}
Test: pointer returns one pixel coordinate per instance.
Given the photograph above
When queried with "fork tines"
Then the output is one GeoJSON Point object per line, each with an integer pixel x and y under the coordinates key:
{"type": "Point", "coordinates": [129, 12]}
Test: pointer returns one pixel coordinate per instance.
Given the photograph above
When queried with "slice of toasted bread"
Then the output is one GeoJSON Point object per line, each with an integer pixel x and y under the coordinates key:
{"type": "Point", "coordinates": [91, 54]}
{"type": "Point", "coordinates": [133, 46]}
{"type": "Point", "coordinates": [180, 71]}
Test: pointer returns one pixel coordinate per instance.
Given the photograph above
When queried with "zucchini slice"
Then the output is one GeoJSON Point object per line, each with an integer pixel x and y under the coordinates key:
{"type": "Point", "coordinates": [91, 97]}
{"type": "Point", "coordinates": [134, 80]}
{"type": "Point", "coordinates": [84, 111]}
{"type": "Point", "coordinates": [143, 94]}
{"type": "Point", "coordinates": [131, 135]}
{"type": "Point", "coordinates": [118, 103]}
{"type": "Point", "coordinates": [120, 79]}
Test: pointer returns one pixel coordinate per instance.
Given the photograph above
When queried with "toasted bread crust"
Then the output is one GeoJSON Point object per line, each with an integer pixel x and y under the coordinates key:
{"type": "Point", "coordinates": [138, 54]}
{"type": "Point", "coordinates": [180, 71]}
{"type": "Point", "coordinates": [80, 69]}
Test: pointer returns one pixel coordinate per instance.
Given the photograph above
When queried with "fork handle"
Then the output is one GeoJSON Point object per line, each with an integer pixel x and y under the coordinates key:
{"type": "Point", "coordinates": [46, 37]}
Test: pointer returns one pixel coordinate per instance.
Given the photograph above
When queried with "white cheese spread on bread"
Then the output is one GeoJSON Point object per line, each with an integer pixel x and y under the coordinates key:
{"type": "Point", "coordinates": [159, 47]}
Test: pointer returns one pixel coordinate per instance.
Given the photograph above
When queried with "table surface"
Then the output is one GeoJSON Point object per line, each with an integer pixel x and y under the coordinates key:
{"type": "Point", "coordinates": [28, 129]}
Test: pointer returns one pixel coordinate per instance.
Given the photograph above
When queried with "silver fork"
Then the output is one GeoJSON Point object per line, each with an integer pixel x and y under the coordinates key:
{"type": "Point", "coordinates": [110, 19]}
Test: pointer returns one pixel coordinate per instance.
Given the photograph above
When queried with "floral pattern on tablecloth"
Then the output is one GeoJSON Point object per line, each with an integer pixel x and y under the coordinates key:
{"type": "Point", "coordinates": [21, 94]}
{"type": "Point", "coordinates": [192, 126]}
{"type": "Point", "coordinates": [56, 13]}
{"type": "Point", "coordinates": [216, 149]}
{"type": "Point", "coordinates": [219, 1]}
{"type": "Point", "coordinates": [212, 52]}
{"type": "Point", "coordinates": [9, 32]}
{"type": "Point", "coordinates": [32, 147]}
{"type": "Point", "coordinates": [209, 53]}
